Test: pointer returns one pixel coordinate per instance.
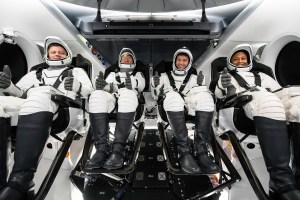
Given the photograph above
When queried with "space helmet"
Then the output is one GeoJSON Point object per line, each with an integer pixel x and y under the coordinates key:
{"type": "Point", "coordinates": [123, 66]}
{"type": "Point", "coordinates": [246, 48]}
{"type": "Point", "coordinates": [184, 51]}
{"type": "Point", "coordinates": [56, 40]}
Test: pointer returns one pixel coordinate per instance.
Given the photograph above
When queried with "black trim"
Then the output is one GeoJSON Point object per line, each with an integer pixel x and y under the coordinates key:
{"type": "Point", "coordinates": [180, 29]}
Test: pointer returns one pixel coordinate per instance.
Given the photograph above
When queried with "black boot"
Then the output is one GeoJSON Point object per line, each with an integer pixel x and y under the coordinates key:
{"type": "Point", "coordinates": [32, 133]}
{"type": "Point", "coordinates": [99, 124]}
{"type": "Point", "coordinates": [202, 136]}
{"type": "Point", "coordinates": [273, 139]}
{"type": "Point", "coordinates": [4, 149]}
{"type": "Point", "coordinates": [123, 128]}
{"type": "Point", "coordinates": [296, 149]}
{"type": "Point", "coordinates": [178, 126]}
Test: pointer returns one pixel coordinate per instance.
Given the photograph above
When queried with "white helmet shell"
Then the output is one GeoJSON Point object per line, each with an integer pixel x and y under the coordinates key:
{"type": "Point", "coordinates": [246, 48]}
{"type": "Point", "coordinates": [187, 52]}
{"type": "Point", "coordinates": [53, 39]}
{"type": "Point", "coordinates": [127, 67]}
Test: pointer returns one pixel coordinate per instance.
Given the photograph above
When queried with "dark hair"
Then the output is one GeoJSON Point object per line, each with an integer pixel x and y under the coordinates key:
{"type": "Point", "coordinates": [182, 54]}
{"type": "Point", "coordinates": [245, 52]}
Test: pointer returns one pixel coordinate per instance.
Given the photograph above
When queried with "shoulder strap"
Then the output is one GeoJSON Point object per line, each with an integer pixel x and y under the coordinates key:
{"type": "Point", "coordinates": [39, 74]}
{"type": "Point", "coordinates": [62, 75]}
{"type": "Point", "coordinates": [241, 81]}
{"type": "Point", "coordinates": [134, 72]}
{"type": "Point", "coordinates": [257, 78]}
{"type": "Point", "coordinates": [172, 81]}
{"type": "Point", "coordinates": [187, 78]}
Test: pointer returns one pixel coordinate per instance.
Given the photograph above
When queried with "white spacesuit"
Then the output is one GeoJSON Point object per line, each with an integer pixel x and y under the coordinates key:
{"type": "Point", "coordinates": [120, 89]}
{"type": "Point", "coordinates": [37, 111]}
{"type": "Point", "coordinates": [182, 89]}
{"type": "Point", "coordinates": [268, 113]}
{"type": "Point", "coordinates": [264, 102]}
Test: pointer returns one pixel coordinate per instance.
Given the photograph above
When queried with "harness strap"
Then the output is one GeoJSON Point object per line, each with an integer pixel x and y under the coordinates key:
{"type": "Point", "coordinates": [241, 81]}
{"type": "Point", "coordinates": [172, 82]}
{"type": "Point", "coordinates": [257, 78]}
{"type": "Point", "coordinates": [58, 81]}
{"type": "Point", "coordinates": [62, 75]}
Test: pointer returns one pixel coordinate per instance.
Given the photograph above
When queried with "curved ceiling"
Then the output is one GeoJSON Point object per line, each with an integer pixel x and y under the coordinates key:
{"type": "Point", "coordinates": [151, 6]}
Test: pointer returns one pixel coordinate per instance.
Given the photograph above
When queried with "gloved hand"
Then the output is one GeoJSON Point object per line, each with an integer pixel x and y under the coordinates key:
{"type": "Point", "coordinates": [5, 77]}
{"type": "Point", "coordinates": [200, 78]}
{"type": "Point", "coordinates": [71, 84]}
{"type": "Point", "coordinates": [128, 83]}
{"type": "Point", "coordinates": [156, 79]}
{"type": "Point", "coordinates": [225, 78]}
{"type": "Point", "coordinates": [100, 82]}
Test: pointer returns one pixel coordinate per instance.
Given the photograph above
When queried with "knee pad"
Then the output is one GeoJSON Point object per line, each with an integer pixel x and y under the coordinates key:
{"type": "Point", "coordinates": [173, 102]}
{"type": "Point", "coordinates": [10, 106]}
{"type": "Point", "coordinates": [292, 108]}
{"type": "Point", "coordinates": [265, 104]}
{"type": "Point", "coordinates": [203, 101]}
{"type": "Point", "coordinates": [38, 102]}
{"type": "Point", "coordinates": [101, 102]}
{"type": "Point", "coordinates": [293, 114]}
{"type": "Point", "coordinates": [127, 101]}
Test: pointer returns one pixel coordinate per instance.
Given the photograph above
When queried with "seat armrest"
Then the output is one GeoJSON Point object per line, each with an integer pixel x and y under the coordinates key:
{"type": "Point", "coordinates": [64, 101]}
{"type": "Point", "coordinates": [233, 101]}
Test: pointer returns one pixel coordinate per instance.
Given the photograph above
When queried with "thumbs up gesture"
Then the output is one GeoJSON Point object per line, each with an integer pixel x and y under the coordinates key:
{"type": "Point", "coordinates": [156, 79]}
{"type": "Point", "coordinates": [71, 84]}
{"type": "Point", "coordinates": [5, 77]}
{"type": "Point", "coordinates": [200, 78]}
{"type": "Point", "coordinates": [225, 78]}
{"type": "Point", "coordinates": [128, 83]}
{"type": "Point", "coordinates": [100, 82]}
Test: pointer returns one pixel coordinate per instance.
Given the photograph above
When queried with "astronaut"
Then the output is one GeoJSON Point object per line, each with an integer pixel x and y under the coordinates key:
{"type": "Point", "coordinates": [121, 89]}
{"type": "Point", "coordinates": [183, 89]}
{"type": "Point", "coordinates": [268, 113]}
{"type": "Point", "coordinates": [38, 111]}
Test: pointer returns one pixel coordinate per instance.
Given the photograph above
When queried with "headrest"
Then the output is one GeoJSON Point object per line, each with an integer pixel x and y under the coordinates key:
{"type": "Point", "coordinates": [166, 66]}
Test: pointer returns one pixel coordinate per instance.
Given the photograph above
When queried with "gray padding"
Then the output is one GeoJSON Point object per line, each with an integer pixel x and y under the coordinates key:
{"type": "Point", "coordinates": [175, 5]}
{"type": "Point", "coordinates": [124, 5]}
{"type": "Point", "coordinates": [151, 6]}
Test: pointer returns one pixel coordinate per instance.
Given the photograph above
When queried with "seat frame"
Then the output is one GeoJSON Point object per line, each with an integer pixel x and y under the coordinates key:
{"type": "Point", "coordinates": [65, 103]}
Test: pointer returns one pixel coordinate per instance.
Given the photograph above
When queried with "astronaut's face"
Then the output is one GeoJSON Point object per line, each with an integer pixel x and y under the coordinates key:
{"type": "Point", "coordinates": [57, 53]}
{"type": "Point", "coordinates": [182, 62]}
{"type": "Point", "coordinates": [239, 59]}
{"type": "Point", "coordinates": [126, 59]}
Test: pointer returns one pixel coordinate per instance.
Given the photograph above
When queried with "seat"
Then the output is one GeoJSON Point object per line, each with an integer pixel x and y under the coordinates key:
{"type": "Point", "coordinates": [170, 147]}
{"type": "Point", "coordinates": [135, 137]}
{"type": "Point", "coordinates": [65, 120]}
{"type": "Point", "coordinates": [65, 128]}
{"type": "Point", "coordinates": [232, 124]}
